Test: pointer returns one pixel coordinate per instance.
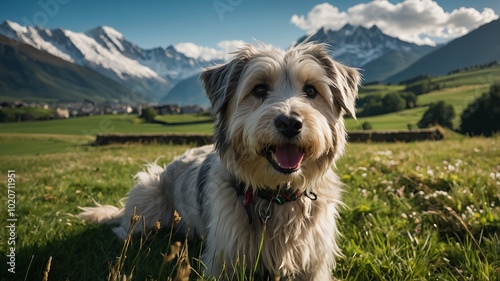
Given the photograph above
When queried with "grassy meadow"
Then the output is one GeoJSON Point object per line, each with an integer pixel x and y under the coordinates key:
{"type": "Point", "coordinates": [458, 89]}
{"type": "Point", "coordinates": [108, 124]}
{"type": "Point", "coordinates": [416, 211]}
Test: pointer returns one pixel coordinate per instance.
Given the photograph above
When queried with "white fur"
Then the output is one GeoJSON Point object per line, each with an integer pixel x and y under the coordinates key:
{"type": "Point", "coordinates": [299, 236]}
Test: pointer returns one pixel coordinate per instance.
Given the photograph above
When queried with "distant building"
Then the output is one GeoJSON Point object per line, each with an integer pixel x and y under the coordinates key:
{"type": "Point", "coordinates": [191, 109]}
{"type": "Point", "coordinates": [167, 109]}
{"type": "Point", "coordinates": [62, 113]}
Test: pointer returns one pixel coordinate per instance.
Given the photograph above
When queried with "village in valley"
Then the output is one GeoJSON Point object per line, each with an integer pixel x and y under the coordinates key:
{"type": "Point", "coordinates": [30, 111]}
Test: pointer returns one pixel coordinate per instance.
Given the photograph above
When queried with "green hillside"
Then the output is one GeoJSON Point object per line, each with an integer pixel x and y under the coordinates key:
{"type": "Point", "coordinates": [458, 89]}
{"type": "Point", "coordinates": [393, 121]}
{"type": "Point", "coordinates": [101, 124]}
{"type": "Point", "coordinates": [477, 47]}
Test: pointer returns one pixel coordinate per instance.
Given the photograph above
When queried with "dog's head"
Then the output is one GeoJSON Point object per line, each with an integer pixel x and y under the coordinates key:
{"type": "Point", "coordinates": [279, 113]}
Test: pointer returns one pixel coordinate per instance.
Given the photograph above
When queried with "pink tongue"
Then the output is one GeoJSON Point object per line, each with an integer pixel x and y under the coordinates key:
{"type": "Point", "coordinates": [288, 156]}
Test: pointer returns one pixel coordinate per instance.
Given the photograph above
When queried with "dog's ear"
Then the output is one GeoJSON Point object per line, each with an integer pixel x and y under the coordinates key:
{"type": "Point", "coordinates": [220, 81]}
{"type": "Point", "coordinates": [347, 82]}
{"type": "Point", "coordinates": [215, 80]}
{"type": "Point", "coordinates": [345, 79]}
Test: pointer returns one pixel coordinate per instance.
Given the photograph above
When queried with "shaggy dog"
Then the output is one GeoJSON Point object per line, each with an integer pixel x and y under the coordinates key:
{"type": "Point", "coordinates": [269, 176]}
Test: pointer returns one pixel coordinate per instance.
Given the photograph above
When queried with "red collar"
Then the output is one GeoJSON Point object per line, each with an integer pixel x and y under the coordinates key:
{"type": "Point", "coordinates": [283, 196]}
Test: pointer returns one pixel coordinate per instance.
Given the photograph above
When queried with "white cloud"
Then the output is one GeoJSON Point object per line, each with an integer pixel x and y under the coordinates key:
{"type": "Point", "coordinates": [206, 53]}
{"type": "Point", "coordinates": [194, 51]}
{"type": "Point", "coordinates": [322, 15]}
{"type": "Point", "coordinates": [230, 45]}
{"type": "Point", "coordinates": [414, 21]}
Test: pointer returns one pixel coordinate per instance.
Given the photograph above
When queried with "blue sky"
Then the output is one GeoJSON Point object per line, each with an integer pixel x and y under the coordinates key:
{"type": "Point", "coordinates": [208, 22]}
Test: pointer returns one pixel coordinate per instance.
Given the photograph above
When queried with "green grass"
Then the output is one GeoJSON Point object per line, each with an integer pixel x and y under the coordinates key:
{"type": "Point", "coordinates": [459, 97]}
{"type": "Point", "coordinates": [102, 124]}
{"type": "Point", "coordinates": [183, 118]}
{"type": "Point", "coordinates": [392, 121]}
{"type": "Point", "coordinates": [417, 211]}
{"type": "Point", "coordinates": [36, 144]}
{"type": "Point", "coordinates": [459, 90]}
{"type": "Point", "coordinates": [471, 77]}
{"type": "Point", "coordinates": [380, 89]}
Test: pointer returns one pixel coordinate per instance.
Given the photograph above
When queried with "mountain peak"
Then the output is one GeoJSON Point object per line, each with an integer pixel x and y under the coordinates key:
{"type": "Point", "coordinates": [105, 30]}
{"type": "Point", "coordinates": [14, 26]}
{"type": "Point", "coordinates": [375, 28]}
{"type": "Point", "coordinates": [347, 27]}
{"type": "Point", "coordinates": [366, 47]}
{"type": "Point", "coordinates": [10, 23]}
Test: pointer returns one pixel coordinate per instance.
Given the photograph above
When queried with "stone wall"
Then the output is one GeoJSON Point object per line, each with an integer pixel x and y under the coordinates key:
{"type": "Point", "coordinates": [396, 136]}
{"type": "Point", "coordinates": [198, 139]}
{"type": "Point", "coordinates": [179, 139]}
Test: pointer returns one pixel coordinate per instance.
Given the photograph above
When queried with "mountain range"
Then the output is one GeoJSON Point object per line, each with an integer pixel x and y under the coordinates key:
{"type": "Point", "coordinates": [375, 53]}
{"type": "Point", "coordinates": [187, 92]}
{"type": "Point", "coordinates": [383, 58]}
{"type": "Point", "coordinates": [477, 47]}
{"type": "Point", "coordinates": [151, 72]}
{"type": "Point", "coordinates": [169, 76]}
{"type": "Point", "coordinates": [27, 73]}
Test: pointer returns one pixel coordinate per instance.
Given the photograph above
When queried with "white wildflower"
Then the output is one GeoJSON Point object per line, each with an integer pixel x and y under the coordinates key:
{"type": "Point", "coordinates": [430, 172]}
{"type": "Point", "coordinates": [392, 163]}
{"type": "Point", "coordinates": [384, 153]}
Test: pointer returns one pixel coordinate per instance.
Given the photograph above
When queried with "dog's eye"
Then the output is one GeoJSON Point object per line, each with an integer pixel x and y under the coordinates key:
{"type": "Point", "coordinates": [260, 91]}
{"type": "Point", "coordinates": [310, 91]}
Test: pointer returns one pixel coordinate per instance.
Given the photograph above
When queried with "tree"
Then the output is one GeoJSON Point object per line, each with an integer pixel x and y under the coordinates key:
{"type": "Point", "coordinates": [439, 113]}
{"type": "Point", "coordinates": [393, 102]}
{"type": "Point", "coordinates": [371, 104]}
{"type": "Point", "coordinates": [376, 104]}
{"type": "Point", "coordinates": [422, 86]}
{"type": "Point", "coordinates": [482, 116]}
{"type": "Point", "coordinates": [366, 126]}
{"type": "Point", "coordinates": [149, 114]}
{"type": "Point", "coordinates": [410, 98]}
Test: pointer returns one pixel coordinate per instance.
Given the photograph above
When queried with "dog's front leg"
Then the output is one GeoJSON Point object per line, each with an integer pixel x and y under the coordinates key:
{"type": "Point", "coordinates": [213, 258]}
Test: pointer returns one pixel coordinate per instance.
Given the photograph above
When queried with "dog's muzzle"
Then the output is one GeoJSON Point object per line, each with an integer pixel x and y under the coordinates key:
{"type": "Point", "coordinates": [286, 157]}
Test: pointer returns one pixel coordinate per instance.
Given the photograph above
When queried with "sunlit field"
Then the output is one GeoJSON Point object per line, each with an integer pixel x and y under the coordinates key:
{"type": "Point", "coordinates": [416, 211]}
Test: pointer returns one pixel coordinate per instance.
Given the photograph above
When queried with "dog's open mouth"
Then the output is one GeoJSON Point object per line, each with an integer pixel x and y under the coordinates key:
{"type": "Point", "coordinates": [285, 158]}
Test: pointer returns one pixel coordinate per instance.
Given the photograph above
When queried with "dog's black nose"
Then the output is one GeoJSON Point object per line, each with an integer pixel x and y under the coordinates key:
{"type": "Point", "coordinates": [289, 126]}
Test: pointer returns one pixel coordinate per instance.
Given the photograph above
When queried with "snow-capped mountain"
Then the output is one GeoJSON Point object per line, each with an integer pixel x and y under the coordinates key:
{"type": "Point", "coordinates": [30, 74]}
{"type": "Point", "coordinates": [147, 71]}
{"type": "Point", "coordinates": [153, 72]}
{"type": "Point", "coordinates": [362, 47]}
